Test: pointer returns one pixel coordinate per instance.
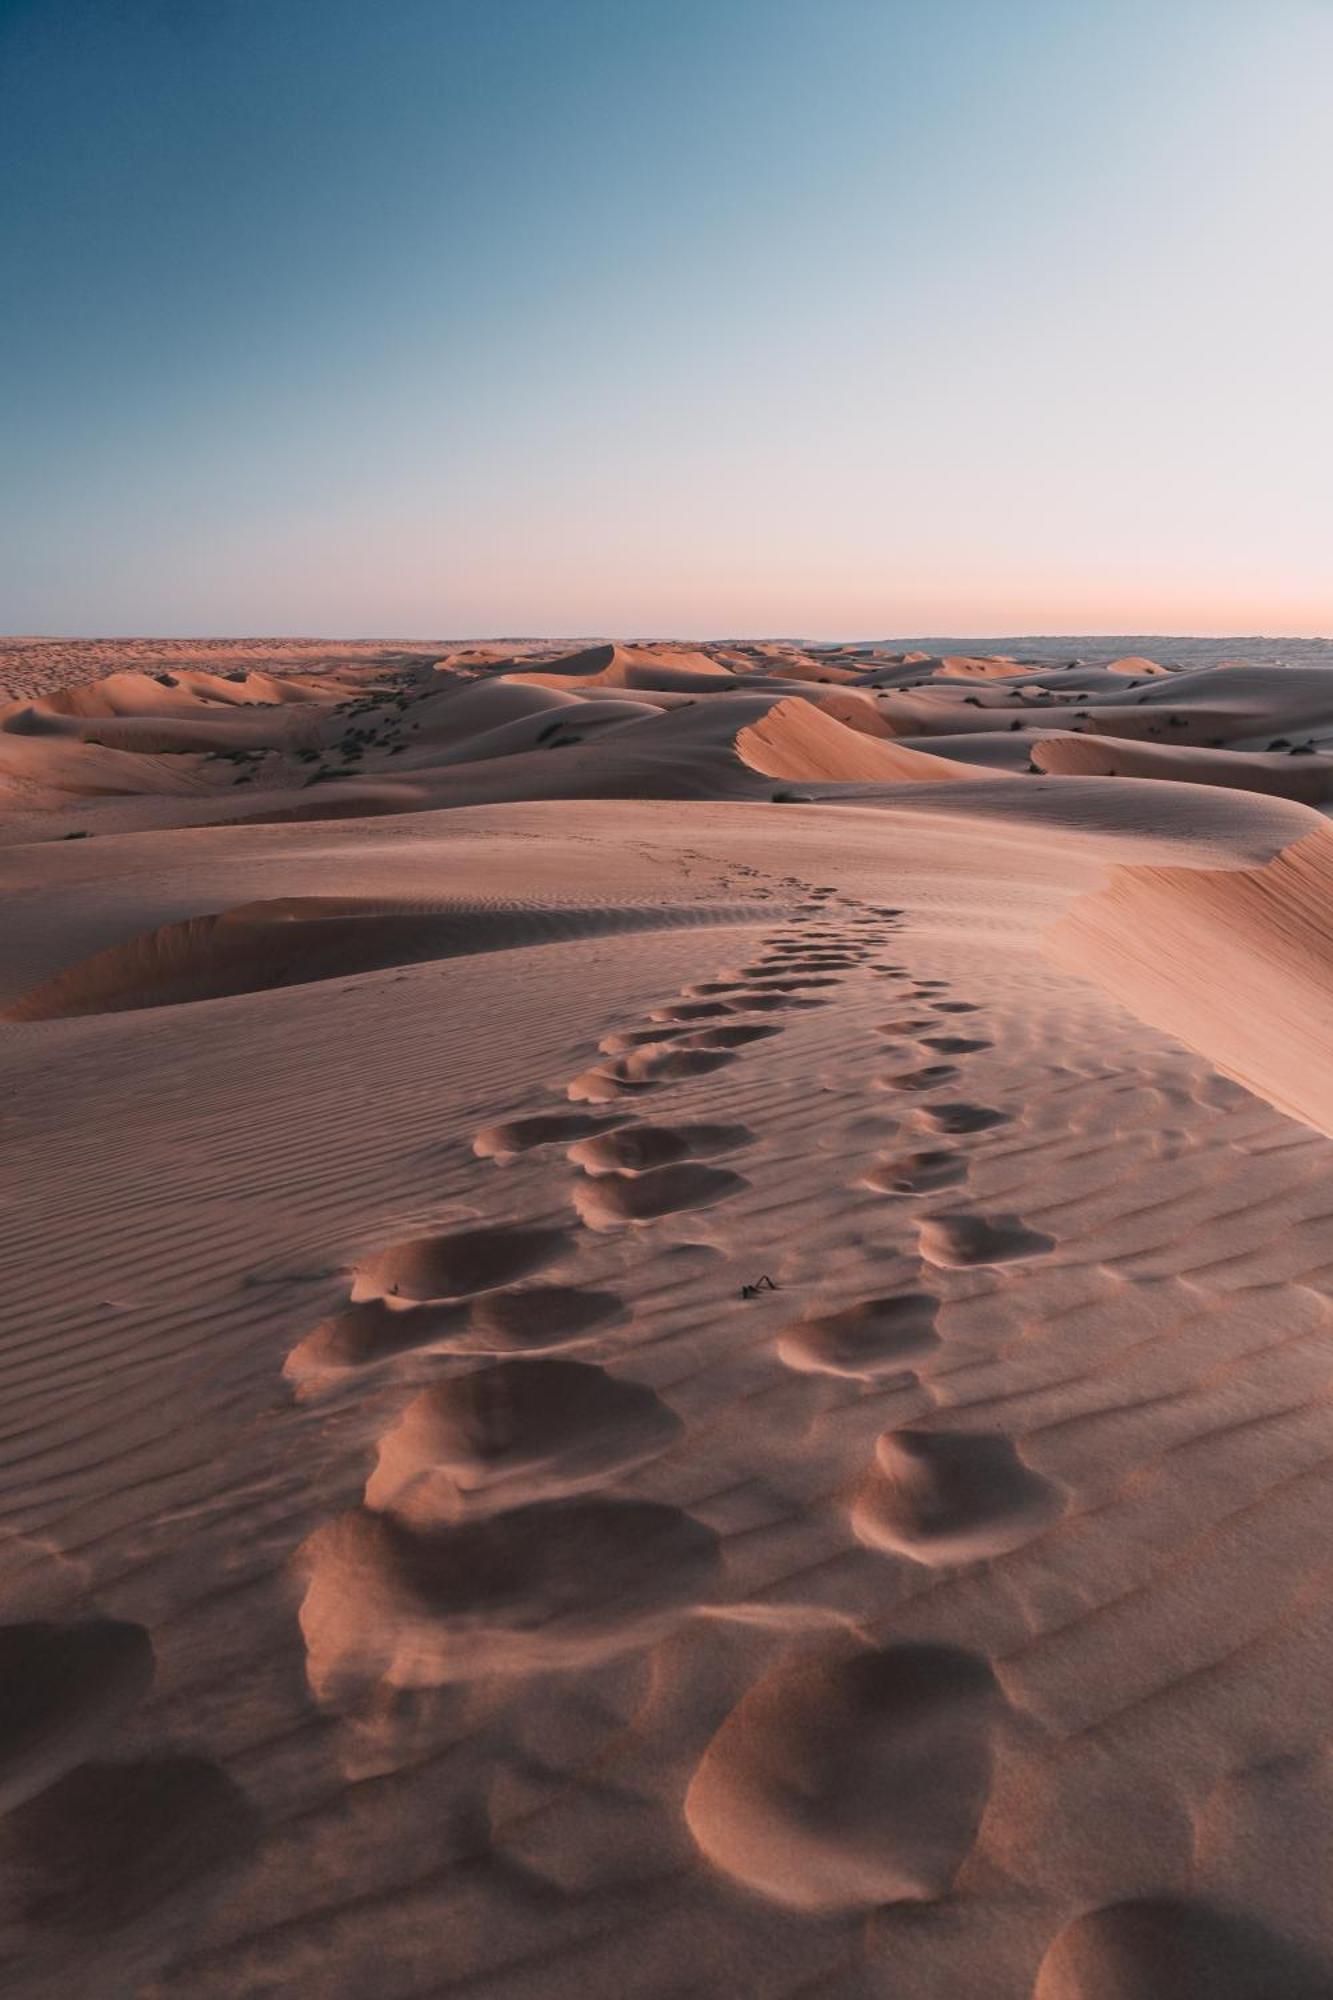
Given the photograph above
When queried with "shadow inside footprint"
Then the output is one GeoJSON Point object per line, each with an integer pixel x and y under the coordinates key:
{"type": "Point", "coordinates": [844, 1783]}
{"type": "Point", "coordinates": [536, 1318]}
{"type": "Point", "coordinates": [1177, 1949]}
{"type": "Point", "coordinates": [366, 1334]}
{"type": "Point", "coordinates": [456, 1264]}
{"type": "Point", "coordinates": [961, 1240]}
{"type": "Point", "coordinates": [954, 1045]}
{"type": "Point", "coordinates": [610, 1200]}
{"type": "Point", "coordinates": [731, 1038]}
{"type": "Point", "coordinates": [634, 1148]}
{"type": "Point", "coordinates": [694, 1010]}
{"type": "Point", "coordinates": [929, 1078]}
{"type": "Point", "coordinates": [950, 1497]}
{"type": "Point", "coordinates": [65, 1687]}
{"type": "Point", "coordinates": [529, 1320]}
{"type": "Point", "coordinates": [519, 1135]}
{"type": "Point", "coordinates": [917, 1173]}
{"type": "Point", "coordinates": [956, 1118]}
{"type": "Point", "coordinates": [643, 1069]}
{"type": "Point", "coordinates": [557, 1584]}
{"type": "Point", "coordinates": [520, 1430]}
{"type": "Point", "coordinates": [872, 1337]}
{"type": "Point", "coordinates": [112, 1841]}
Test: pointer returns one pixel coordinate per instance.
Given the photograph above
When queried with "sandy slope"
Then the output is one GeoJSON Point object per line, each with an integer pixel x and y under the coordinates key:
{"type": "Point", "coordinates": [695, 1360]}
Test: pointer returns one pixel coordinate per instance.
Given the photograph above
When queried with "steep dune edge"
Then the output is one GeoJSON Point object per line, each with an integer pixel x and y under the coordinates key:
{"type": "Point", "coordinates": [1306, 779]}
{"type": "Point", "coordinates": [797, 739]}
{"type": "Point", "coordinates": [1237, 963]}
{"type": "Point", "coordinates": [296, 941]}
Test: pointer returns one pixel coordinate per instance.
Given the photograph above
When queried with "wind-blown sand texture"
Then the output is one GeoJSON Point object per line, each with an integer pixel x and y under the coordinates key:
{"type": "Point", "coordinates": [666, 1323]}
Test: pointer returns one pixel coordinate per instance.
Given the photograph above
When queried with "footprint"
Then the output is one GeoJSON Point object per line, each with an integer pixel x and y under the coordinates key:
{"type": "Point", "coordinates": [771, 1003]}
{"type": "Point", "coordinates": [956, 1007]}
{"type": "Point", "coordinates": [555, 1585]}
{"type": "Point", "coordinates": [954, 1045]}
{"type": "Point", "coordinates": [907, 1025]}
{"type": "Point", "coordinates": [112, 1841]}
{"type": "Point", "coordinates": [517, 1431]}
{"type": "Point", "coordinates": [1176, 1949]}
{"type": "Point", "coordinates": [65, 1687]}
{"type": "Point", "coordinates": [614, 1199]}
{"type": "Point", "coordinates": [916, 1173]}
{"type": "Point", "coordinates": [643, 1070]}
{"type": "Point", "coordinates": [693, 1010]}
{"type": "Point", "coordinates": [873, 1337]}
{"type": "Point", "coordinates": [451, 1266]}
{"type": "Point", "coordinates": [505, 1142]}
{"type": "Point", "coordinates": [783, 983]}
{"type": "Point", "coordinates": [729, 1038]}
{"type": "Point", "coordinates": [626, 1039]}
{"type": "Point", "coordinates": [366, 1334]}
{"type": "Point", "coordinates": [634, 1148]}
{"type": "Point", "coordinates": [957, 1118]}
{"type": "Point", "coordinates": [538, 1318]}
{"type": "Point", "coordinates": [824, 961]}
{"type": "Point", "coordinates": [929, 1078]}
{"type": "Point", "coordinates": [959, 1240]}
{"type": "Point", "coordinates": [949, 1497]}
{"type": "Point", "coordinates": [846, 1783]}
{"type": "Point", "coordinates": [597, 1086]}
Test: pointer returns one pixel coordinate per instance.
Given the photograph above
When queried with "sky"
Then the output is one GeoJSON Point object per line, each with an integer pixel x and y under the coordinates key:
{"type": "Point", "coordinates": [829, 318]}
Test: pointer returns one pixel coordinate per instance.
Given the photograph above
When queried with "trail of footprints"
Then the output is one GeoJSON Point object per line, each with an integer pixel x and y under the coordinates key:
{"type": "Point", "coordinates": [489, 1541]}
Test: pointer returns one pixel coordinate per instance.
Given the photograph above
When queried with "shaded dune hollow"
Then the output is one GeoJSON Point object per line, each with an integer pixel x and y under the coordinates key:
{"type": "Point", "coordinates": [299, 940]}
{"type": "Point", "coordinates": [845, 1783]}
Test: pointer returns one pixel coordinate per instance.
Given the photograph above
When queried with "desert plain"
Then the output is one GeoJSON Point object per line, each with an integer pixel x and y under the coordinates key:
{"type": "Point", "coordinates": [666, 1322]}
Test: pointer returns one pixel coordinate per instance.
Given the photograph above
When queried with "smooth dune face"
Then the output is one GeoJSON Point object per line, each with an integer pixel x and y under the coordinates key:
{"type": "Point", "coordinates": [667, 1322]}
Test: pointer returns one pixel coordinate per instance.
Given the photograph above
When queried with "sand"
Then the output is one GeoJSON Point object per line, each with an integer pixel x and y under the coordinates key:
{"type": "Point", "coordinates": [667, 1323]}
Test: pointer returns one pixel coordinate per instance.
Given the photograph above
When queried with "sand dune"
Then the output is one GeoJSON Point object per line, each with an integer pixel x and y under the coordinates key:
{"type": "Point", "coordinates": [667, 1322]}
{"type": "Point", "coordinates": [802, 740]}
{"type": "Point", "coordinates": [1309, 779]}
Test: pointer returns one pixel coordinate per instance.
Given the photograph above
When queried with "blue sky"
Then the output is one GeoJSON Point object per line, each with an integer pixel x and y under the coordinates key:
{"type": "Point", "coordinates": [821, 316]}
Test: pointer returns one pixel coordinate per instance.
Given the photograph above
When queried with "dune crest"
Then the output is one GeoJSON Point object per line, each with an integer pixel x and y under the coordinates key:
{"type": "Point", "coordinates": [1236, 962]}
